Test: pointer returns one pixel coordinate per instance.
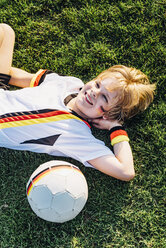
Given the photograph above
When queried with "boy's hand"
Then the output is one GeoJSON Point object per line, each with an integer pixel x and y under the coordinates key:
{"type": "Point", "coordinates": [104, 123]}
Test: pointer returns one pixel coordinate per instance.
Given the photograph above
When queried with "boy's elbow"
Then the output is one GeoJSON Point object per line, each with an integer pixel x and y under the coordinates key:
{"type": "Point", "coordinates": [8, 29]}
{"type": "Point", "coordinates": [129, 176]}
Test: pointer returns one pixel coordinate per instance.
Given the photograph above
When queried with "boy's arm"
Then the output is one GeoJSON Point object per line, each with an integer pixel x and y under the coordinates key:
{"type": "Point", "coordinates": [20, 78]}
{"type": "Point", "coordinates": [121, 165]}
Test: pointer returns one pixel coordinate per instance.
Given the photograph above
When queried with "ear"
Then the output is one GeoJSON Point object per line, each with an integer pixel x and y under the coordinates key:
{"type": "Point", "coordinates": [105, 117]}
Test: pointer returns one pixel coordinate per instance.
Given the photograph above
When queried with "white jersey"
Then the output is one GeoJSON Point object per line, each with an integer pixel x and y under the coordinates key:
{"type": "Point", "coordinates": [36, 119]}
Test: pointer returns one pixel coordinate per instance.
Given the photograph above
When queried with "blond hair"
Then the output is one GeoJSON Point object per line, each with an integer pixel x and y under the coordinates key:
{"type": "Point", "coordinates": [135, 92]}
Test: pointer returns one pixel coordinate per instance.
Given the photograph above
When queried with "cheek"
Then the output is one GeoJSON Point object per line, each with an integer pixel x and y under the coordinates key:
{"type": "Point", "coordinates": [100, 111]}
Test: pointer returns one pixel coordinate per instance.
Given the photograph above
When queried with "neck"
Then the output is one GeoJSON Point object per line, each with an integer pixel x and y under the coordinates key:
{"type": "Point", "coordinates": [71, 105]}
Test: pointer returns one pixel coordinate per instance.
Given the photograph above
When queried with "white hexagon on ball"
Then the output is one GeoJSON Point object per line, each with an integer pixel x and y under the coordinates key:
{"type": "Point", "coordinates": [41, 197]}
{"type": "Point", "coordinates": [56, 183]}
{"type": "Point", "coordinates": [76, 183]}
{"type": "Point", "coordinates": [61, 200]}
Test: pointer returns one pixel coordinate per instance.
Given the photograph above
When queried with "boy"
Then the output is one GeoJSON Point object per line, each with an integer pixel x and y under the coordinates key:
{"type": "Point", "coordinates": [52, 113]}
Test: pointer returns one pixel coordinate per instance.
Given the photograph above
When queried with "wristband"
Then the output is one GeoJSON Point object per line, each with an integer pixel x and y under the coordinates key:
{"type": "Point", "coordinates": [118, 134]}
{"type": "Point", "coordinates": [4, 81]}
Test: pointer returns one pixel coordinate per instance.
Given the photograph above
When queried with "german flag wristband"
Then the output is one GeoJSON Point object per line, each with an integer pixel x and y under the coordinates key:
{"type": "Point", "coordinates": [4, 81]}
{"type": "Point", "coordinates": [118, 134]}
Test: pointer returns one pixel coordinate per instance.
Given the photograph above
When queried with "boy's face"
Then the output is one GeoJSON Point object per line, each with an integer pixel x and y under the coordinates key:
{"type": "Point", "coordinates": [96, 98]}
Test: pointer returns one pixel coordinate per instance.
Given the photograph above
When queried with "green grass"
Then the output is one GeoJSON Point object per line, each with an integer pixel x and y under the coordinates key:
{"type": "Point", "coordinates": [81, 38]}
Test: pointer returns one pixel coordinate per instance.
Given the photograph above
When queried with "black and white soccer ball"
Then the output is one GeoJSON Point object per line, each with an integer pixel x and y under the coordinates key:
{"type": "Point", "coordinates": [57, 191]}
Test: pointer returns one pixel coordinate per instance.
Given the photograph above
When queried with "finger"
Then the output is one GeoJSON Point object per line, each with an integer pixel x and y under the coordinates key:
{"type": "Point", "coordinates": [90, 120]}
{"type": "Point", "coordinates": [96, 125]}
{"type": "Point", "coordinates": [96, 121]}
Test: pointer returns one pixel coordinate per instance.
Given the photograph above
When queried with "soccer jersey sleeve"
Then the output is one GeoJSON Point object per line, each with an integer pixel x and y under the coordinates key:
{"type": "Point", "coordinates": [39, 77]}
{"type": "Point", "coordinates": [79, 143]}
{"type": "Point", "coordinates": [43, 77]}
{"type": "Point", "coordinates": [87, 149]}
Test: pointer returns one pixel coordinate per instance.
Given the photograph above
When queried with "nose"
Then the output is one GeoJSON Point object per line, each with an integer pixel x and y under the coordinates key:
{"type": "Point", "coordinates": [95, 93]}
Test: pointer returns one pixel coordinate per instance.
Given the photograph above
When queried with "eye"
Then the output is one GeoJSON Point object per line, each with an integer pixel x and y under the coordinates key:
{"type": "Point", "coordinates": [102, 109]}
{"type": "Point", "coordinates": [105, 99]}
{"type": "Point", "coordinates": [97, 84]}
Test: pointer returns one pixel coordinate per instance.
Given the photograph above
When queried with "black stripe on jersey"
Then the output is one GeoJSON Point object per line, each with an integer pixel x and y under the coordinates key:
{"type": "Point", "coordinates": [47, 141]}
{"type": "Point", "coordinates": [33, 112]}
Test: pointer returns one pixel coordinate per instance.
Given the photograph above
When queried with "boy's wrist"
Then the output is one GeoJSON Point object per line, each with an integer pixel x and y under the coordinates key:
{"type": "Point", "coordinates": [4, 81]}
{"type": "Point", "coordinates": [118, 134]}
{"type": "Point", "coordinates": [112, 123]}
{"type": "Point", "coordinates": [116, 127]}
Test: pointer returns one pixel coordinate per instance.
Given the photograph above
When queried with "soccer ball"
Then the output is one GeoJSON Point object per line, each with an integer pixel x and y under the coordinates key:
{"type": "Point", "coordinates": [57, 191]}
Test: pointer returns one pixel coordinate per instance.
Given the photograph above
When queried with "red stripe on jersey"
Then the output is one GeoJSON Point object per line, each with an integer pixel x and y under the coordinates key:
{"type": "Point", "coordinates": [21, 116]}
{"type": "Point", "coordinates": [32, 116]}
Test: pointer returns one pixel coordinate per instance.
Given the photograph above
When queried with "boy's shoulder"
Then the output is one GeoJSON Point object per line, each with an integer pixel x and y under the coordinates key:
{"type": "Point", "coordinates": [70, 82]}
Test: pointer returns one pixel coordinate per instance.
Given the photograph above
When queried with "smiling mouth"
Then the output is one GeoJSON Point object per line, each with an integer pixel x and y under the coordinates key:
{"type": "Point", "coordinates": [88, 99]}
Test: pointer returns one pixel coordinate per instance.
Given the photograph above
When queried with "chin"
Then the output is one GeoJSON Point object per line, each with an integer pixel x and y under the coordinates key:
{"type": "Point", "coordinates": [84, 115]}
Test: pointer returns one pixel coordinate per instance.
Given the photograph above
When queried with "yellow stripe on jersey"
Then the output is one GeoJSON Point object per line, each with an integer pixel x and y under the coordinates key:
{"type": "Point", "coordinates": [38, 121]}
